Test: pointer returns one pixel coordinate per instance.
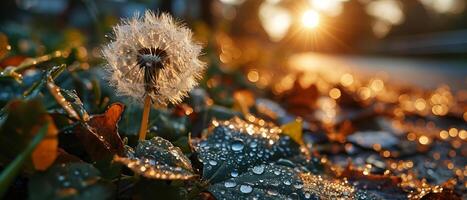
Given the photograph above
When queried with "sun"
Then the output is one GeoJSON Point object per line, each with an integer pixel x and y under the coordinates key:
{"type": "Point", "coordinates": [310, 19]}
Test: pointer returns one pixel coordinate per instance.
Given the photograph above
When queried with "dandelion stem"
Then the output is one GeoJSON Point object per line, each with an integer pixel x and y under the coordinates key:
{"type": "Point", "coordinates": [144, 120]}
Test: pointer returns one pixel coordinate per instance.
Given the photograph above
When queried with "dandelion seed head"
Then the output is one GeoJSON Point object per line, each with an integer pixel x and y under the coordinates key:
{"type": "Point", "coordinates": [153, 55]}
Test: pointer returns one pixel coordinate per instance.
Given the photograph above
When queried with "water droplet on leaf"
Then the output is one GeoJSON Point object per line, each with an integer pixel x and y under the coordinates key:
{"type": "Point", "coordinates": [237, 145]}
{"type": "Point", "coordinates": [246, 189]}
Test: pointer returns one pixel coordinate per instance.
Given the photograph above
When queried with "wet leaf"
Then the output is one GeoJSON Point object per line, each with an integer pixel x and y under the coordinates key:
{"type": "Point", "coordinates": [157, 158]}
{"type": "Point", "coordinates": [235, 145]}
{"type": "Point", "coordinates": [264, 181]}
{"type": "Point", "coordinates": [68, 100]}
{"type": "Point", "coordinates": [100, 134]}
{"type": "Point", "coordinates": [158, 189]}
{"type": "Point", "coordinates": [69, 181]}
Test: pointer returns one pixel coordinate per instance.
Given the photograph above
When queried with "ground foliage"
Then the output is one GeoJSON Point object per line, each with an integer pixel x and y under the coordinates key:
{"type": "Point", "coordinates": [65, 135]}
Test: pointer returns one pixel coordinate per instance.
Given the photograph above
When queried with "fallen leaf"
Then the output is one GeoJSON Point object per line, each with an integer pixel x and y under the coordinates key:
{"type": "Point", "coordinates": [294, 130]}
{"type": "Point", "coordinates": [100, 134]}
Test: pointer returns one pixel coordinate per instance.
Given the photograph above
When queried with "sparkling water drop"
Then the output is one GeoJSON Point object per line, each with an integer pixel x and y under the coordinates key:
{"type": "Point", "coordinates": [298, 186]}
{"type": "Point", "coordinates": [237, 145]}
{"type": "Point", "coordinates": [234, 173]}
{"type": "Point", "coordinates": [287, 182]}
{"type": "Point", "coordinates": [246, 189]}
{"type": "Point", "coordinates": [259, 169]}
{"type": "Point", "coordinates": [253, 144]}
{"type": "Point", "coordinates": [213, 162]}
{"type": "Point", "coordinates": [272, 192]}
{"type": "Point", "coordinates": [230, 184]}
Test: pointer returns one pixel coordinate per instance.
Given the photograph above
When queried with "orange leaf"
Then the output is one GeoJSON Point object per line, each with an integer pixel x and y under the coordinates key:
{"type": "Point", "coordinates": [46, 151]}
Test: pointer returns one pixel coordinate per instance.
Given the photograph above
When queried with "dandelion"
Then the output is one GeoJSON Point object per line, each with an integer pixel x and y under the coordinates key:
{"type": "Point", "coordinates": [153, 58]}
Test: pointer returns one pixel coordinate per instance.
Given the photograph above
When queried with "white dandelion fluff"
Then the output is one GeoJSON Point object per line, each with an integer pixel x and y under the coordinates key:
{"type": "Point", "coordinates": [153, 55]}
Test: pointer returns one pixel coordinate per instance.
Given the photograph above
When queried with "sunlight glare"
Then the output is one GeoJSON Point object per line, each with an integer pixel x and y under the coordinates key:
{"type": "Point", "coordinates": [310, 19]}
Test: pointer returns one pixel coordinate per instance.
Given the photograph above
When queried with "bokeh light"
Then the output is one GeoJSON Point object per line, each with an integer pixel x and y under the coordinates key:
{"type": "Point", "coordinates": [310, 19]}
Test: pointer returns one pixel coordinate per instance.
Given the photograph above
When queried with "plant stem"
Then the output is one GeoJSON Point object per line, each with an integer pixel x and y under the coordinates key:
{"type": "Point", "coordinates": [9, 173]}
{"type": "Point", "coordinates": [34, 61]}
{"type": "Point", "coordinates": [144, 120]}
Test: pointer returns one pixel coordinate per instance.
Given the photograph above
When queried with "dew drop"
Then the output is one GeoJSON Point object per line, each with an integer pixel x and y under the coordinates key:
{"type": "Point", "coordinates": [237, 145]}
{"type": "Point", "coordinates": [287, 182]}
{"type": "Point", "coordinates": [230, 184]}
{"type": "Point", "coordinates": [234, 173]}
{"type": "Point", "coordinates": [272, 192]}
{"type": "Point", "coordinates": [253, 144]}
{"type": "Point", "coordinates": [213, 162]}
{"type": "Point", "coordinates": [246, 189]}
{"type": "Point", "coordinates": [259, 169]}
{"type": "Point", "coordinates": [298, 186]}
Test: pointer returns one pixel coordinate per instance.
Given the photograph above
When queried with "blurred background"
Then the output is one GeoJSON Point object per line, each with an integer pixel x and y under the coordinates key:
{"type": "Point", "coordinates": [396, 39]}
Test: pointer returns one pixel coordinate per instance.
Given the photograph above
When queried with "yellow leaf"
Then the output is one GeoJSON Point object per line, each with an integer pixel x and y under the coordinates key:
{"type": "Point", "coordinates": [294, 131]}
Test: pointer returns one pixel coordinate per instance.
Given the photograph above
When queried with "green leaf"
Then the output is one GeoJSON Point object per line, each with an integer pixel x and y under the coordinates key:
{"type": "Point", "coordinates": [69, 181]}
{"type": "Point", "coordinates": [234, 146]}
{"type": "Point", "coordinates": [157, 158]}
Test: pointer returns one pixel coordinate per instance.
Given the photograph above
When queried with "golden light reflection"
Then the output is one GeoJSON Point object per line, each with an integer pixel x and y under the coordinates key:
{"type": "Point", "coordinates": [347, 80]}
{"type": "Point", "coordinates": [335, 93]}
{"type": "Point", "coordinates": [424, 140]}
{"type": "Point", "coordinates": [364, 93]}
{"type": "Point", "coordinates": [310, 19]}
{"type": "Point", "coordinates": [253, 76]}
